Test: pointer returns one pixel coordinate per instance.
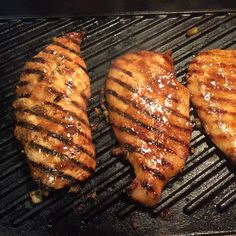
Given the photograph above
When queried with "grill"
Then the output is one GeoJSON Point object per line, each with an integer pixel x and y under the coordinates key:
{"type": "Point", "coordinates": [200, 201]}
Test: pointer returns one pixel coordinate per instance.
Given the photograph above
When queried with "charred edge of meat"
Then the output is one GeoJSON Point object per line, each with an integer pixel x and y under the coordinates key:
{"type": "Point", "coordinates": [37, 59]}
{"type": "Point", "coordinates": [117, 67]}
{"type": "Point", "coordinates": [62, 139]}
{"type": "Point", "coordinates": [61, 156]}
{"type": "Point", "coordinates": [22, 83]}
{"type": "Point", "coordinates": [65, 47]}
{"type": "Point", "coordinates": [45, 169]}
{"type": "Point", "coordinates": [56, 106]}
{"type": "Point", "coordinates": [147, 186]}
{"type": "Point", "coordinates": [27, 71]}
{"type": "Point", "coordinates": [132, 132]}
{"type": "Point", "coordinates": [75, 37]}
{"type": "Point", "coordinates": [154, 172]}
{"type": "Point", "coordinates": [55, 121]}
{"type": "Point", "coordinates": [60, 95]}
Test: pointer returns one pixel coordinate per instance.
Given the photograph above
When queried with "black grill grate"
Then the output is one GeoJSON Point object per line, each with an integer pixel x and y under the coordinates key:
{"type": "Point", "coordinates": [200, 200]}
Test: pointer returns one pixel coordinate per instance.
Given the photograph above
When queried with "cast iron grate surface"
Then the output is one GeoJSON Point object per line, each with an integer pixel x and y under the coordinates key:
{"type": "Point", "coordinates": [201, 200]}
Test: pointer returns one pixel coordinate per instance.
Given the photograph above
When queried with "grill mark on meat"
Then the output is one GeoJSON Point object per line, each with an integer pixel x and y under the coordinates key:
{"type": "Point", "coordinates": [62, 139]}
{"type": "Point", "coordinates": [146, 185]}
{"type": "Point", "coordinates": [22, 83]}
{"type": "Point", "coordinates": [70, 113]}
{"type": "Point", "coordinates": [218, 100]}
{"type": "Point", "coordinates": [156, 173]}
{"type": "Point", "coordinates": [44, 169]}
{"type": "Point", "coordinates": [148, 100]}
{"type": "Point", "coordinates": [131, 148]}
{"type": "Point", "coordinates": [64, 57]}
{"type": "Point", "coordinates": [55, 121]}
{"type": "Point", "coordinates": [123, 84]}
{"type": "Point", "coordinates": [52, 152]}
{"type": "Point", "coordinates": [137, 134]}
{"type": "Point", "coordinates": [60, 95]}
{"type": "Point", "coordinates": [145, 126]}
{"type": "Point", "coordinates": [154, 116]}
{"type": "Point", "coordinates": [117, 67]}
{"type": "Point", "coordinates": [214, 64]}
{"type": "Point", "coordinates": [61, 45]}
{"type": "Point", "coordinates": [38, 60]}
{"type": "Point", "coordinates": [215, 110]}
{"type": "Point", "coordinates": [217, 88]}
{"type": "Point", "coordinates": [28, 71]}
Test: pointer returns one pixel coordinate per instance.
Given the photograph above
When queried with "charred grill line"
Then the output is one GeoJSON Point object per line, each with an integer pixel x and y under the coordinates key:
{"type": "Point", "coordinates": [215, 110]}
{"type": "Point", "coordinates": [217, 88]}
{"type": "Point", "coordinates": [132, 132]}
{"type": "Point", "coordinates": [60, 95]}
{"type": "Point", "coordinates": [67, 112]}
{"type": "Point", "coordinates": [154, 172]}
{"type": "Point", "coordinates": [28, 71]}
{"type": "Point", "coordinates": [22, 83]}
{"type": "Point", "coordinates": [51, 119]}
{"type": "Point", "coordinates": [176, 113]}
{"type": "Point", "coordinates": [65, 57]}
{"type": "Point", "coordinates": [156, 117]}
{"type": "Point", "coordinates": [51, 152]}
{"type": "Point", "coordinates": [67, 141]}
{"type": "Point", "coordinates": [123, 84]}
{"type": "Point", "coordinates": [45, 169]}
{"type": "Point", "coordinates": [116, 67]}
{"type": "Point", "coordinates": [38, 60]}
{"type": "Point", "coordinates": [37, 128]}
{"type": "Point", "coordinates": [146, 185]}
{"type": "Point", "coordinates": [138, 122]}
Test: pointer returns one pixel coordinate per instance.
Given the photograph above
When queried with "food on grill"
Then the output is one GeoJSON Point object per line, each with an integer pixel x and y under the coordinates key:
{"type": "Point", "coordinates": [52, 97]}
{"type": "Point", "coordinates": [149, 112]}
{"type": "Point", "coordinates": [211, 81]}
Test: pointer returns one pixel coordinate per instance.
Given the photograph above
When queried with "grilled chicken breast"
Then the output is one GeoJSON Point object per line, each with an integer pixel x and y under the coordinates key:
{"type": "Point", "coordinates": [149, 112]}
{"type": "Point", "coordinates": [52, 123]}
{"type": "Point", "coordinates": [211, 81]}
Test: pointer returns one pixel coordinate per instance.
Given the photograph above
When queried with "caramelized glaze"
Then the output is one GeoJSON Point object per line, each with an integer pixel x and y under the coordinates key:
{"type": "Point", "coordinates": [52, 123]}
{"type": "Point", "coordinates": [149, 112]}
{"type": "Point", "coordinates": [211, 81]}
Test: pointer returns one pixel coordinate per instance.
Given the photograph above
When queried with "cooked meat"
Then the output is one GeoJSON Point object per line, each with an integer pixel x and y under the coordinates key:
{"type": "Point", "coordinates": [211, 81]}
{"type": "Point", "coordinates": [52, 123]}
{"type": "Point", "coordinates": [149, 112]}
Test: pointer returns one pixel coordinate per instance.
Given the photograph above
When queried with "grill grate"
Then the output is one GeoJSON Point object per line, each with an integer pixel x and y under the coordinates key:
{"type": "Point", "coordinates": [201, 198]}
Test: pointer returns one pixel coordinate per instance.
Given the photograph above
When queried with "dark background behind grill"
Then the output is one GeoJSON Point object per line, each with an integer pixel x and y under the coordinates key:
{"type": "Point", "coordinates": [200, 200]}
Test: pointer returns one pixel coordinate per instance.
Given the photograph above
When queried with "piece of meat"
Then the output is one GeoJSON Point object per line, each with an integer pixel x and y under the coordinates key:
{"type": "Point", "coordinates": [51, 119]}
{"type": "Point", "coordinates": [212, 84]}
{"type": "Point", "coordinates": [149, 112]}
